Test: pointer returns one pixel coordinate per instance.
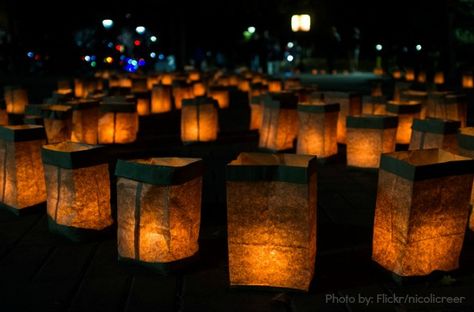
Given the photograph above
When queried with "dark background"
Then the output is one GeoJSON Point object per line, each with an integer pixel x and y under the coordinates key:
{"type": "Point", "coordinates": [184, 26]}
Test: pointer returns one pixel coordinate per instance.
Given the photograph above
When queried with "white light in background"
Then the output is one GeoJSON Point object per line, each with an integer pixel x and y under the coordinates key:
{"type": "Point", "coordinates": [107, 23]}
{"type": "Point", "coordinates": [140, 30]}
{"type": "Point", "coordinates": [301, 22]}
{"type": "Point", "coordinates": [378, 47]}
{"type": "Point", "coordinates": [251, 29]}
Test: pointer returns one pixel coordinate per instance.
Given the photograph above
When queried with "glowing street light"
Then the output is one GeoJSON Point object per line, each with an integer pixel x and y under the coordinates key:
{"type": "Point", "coordinates": [140, 30]}
{"type": "Point", "coordinates": [153, 38]}
{"type": "Point", "coordinates": [301, 22]}
{"type": "Point", "coordinates": [418, 47]}
{"type": "Point", "coordinates": [107, 23]}
{"type": "Point", "coordinates": [378, 47]}
{"type": "Point", "coordinates": [251, 29]}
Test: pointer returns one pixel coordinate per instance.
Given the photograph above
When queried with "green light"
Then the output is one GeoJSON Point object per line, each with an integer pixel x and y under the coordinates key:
{"type": "Point", "coordinates": [93, 64]}
{"type": "Point", "coordinates": [247, 35]}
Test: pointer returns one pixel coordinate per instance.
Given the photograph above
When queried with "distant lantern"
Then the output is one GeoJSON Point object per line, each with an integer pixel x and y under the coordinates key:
{"type": "Point", "coordinates": [194, 75]}
{"type": "Point", "coordinates": [280, 121]}
{"type": "Point", "coordinates": [291, 83]}
{"type": "Point", "coordinates": [434, 133]}
{"type": "Point", "coordinates": [465, 148]}
{"type": "Point", "coordinates": [22, 184]}
{"type": "Point", "coordinates": [418, 96]}
{"type": "Point", "coordinates": [34, 114]}
{"type": "Point", "coordinates": [223, 81]}
{"type": "Point", "coordinates": [271, 220]}
{"type": "Point", "coordinates": [274, 85]}
{"type": "Point", "coordinates": [439, 78]}
{"type": "Point", "coordinates": [143, 103]}
{"type": "Point", "coordinates": [16, 100]}
{"type": "Point", "coordinates": [233, 80]}
{"type": "Point", "coordinates": [57, 123]}
{"type": "Point", "coordinates": [3, 114]}
{"type": "Point", "coordinates": [369, 136]}
{"type": "Point", "coordinates": [256, 112]}
{"type": "Point", "coordinates": [199, 88]}
{"type": "Point", "coordinates": [467, 81]}
{"type": "Point", "coordinates": [152, 80]}
{"type": "Point", "coordinates": [78, 187]}
{"type": "Point", "coordinates": [373, 105]}
{"type": "Point", "coordinates": [421, 78]}
{"type": "Point", "coordinates": [406, 112]}
{"type": "Point", "coordinates": [85, 114]}
{"type": "Point", "coordinates": [158, 210]}
{"type": "Point", "coordinates": [317, 133]}
{"type": "Point", "coordinates": [199, 120]}
{"type": "Point", "coordinates": [161, 99]}
{"type": "Point", "coordinates": [166, 79]}
{"type": "Point", "coordinates": [397, 74]}
{"type": "Point", "coordinates": [421, 211]}
{"type": "Point", "coordinates": [79, 88]}
{"type": "Point", "coordinates": [181, 91]}
{"type": "Point", "coordinates": [244, 85]}
{"type": "Point", "coordinates": [410, 75]}
{"type": "Point", "coordinates": [350, 103]}
{"type": "Point", "coordinates": [64, 89]}
{"type": "Point", "coordinates": [139, 85]}
{"type": "Point", "coordinates": [221, 95]}
{"type": "Point", "coordinates": [378, 71]}
{"type": "Point", "coordinates": [118, 121]}
{"type": "Point", "coordinates": [125, 82]}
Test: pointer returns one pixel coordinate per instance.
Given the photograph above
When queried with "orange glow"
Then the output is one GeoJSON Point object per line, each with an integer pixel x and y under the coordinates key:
{"type": "Point", "coordinates": [166, 79]}
{"type": "Point", "coordinates": [161, 99]}
{"type": "Point", "coordinates": [180, 93]}
{"type": "Point", "coordinates": [405, 120]}
{"type": "Point", "coordinates": [244, 85]}
{"type": "Point", "coordinates": [420, 223]}
{"type": "Point", "coordinates": [194, 75]}
{"type": "Point", "coordinates": [15, 100]}
{"type": "Point", "coordinates": [378, 71]}
{"type": "Point", "coordinates": [467, 81]}
{"type": "Point", "coordinates": [439, 78]}
{"type": "Point", "coordinates": [199, 120]}
{"type": "Point", "coordinates": [117, 127]}
{"type": "Point", "coordinates": [221, 95]}
{"type": "Point", "coordinates": [143, 106]}
{"type": "Point", "coordinates": [274, 85]}
{"type": "Point", "coordinates": [410, 75]}
{"type": "Point", "coordinates": [199, 88]}
{"type": "Point", "coordinates": [421, 77]}
{"type": "Point", "coordinates": [397, 74]}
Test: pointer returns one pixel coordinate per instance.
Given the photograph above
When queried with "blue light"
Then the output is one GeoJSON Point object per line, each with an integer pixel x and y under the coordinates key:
{"type": "Point", "coordinates": [134, 62]}
{"type": "Point", "coordinates": [141, 62]}
{"type": "Point", "coordinates": [122, 57]}
{"type": "Point", "coordinates": [30, 54]}
{"type": "Point", "coordinates": [130, 68]}
{"type": "Point", "coordinates": [129, 61]}
{"type": "Point", "coordinates": [161, 56]}
{"type": "Point", "coordinates": [93, 58]}
{"type": "Point", "coordinates": [110, 45]}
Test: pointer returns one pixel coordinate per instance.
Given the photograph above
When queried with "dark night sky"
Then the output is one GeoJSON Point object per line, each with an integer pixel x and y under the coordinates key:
{"type": "Point", "coordinates": [219, 24]}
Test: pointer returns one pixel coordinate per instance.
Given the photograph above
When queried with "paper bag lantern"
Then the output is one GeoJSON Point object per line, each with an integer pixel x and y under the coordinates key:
{"type": "Point", "coordinates": [373, 105]}
{"type": "Point", "coordinates": [438, 78]}
{"type": "Point", "coordinates": [406, 112]}
{"type": "Point", "coordinates": [143, 103]}
{"type": "Point", "coordinates": [274, 85]}
{"type": "Point", "coordinates": [399, 88]}
{"type": "Point", "coordinates": [221, 95]}
{"type": "Point", "coordinates": [199, 88]}
{"type": "Point", "coordinates": [421, 78]}
{"type": "Point", "coordinates": [194, 75]}
{"type": "Point", "coordinates": [84, 87]}
{"type": "Point", "coordinates": [118, 121]}
{"type": "Point", "coordinates": [78, 187]}
{"type": "Point", "coordinates": [350, 103]}
{"type": "Point", "coordinates": [244, 85]}
{"type": "Point", "coordinates": [421, 211]}
{"type": "Point", "coordinates": [158, 210]}
{"type": "Point", "coordinates": [161, 99]}
{"type": "Point", "coordinates": [436, 103]}
{"type": "Point", "coordinates": [467, 81]}
{"type": "Point", "coordinates": [317, 134]}
{"type": "Point", "coordinates": [434, 133]}
{"type": "Point", "coordinates": [256, 112]}
{"type": "Point", "coordinates": [397, 74]}
{"type": "Point", "coordinates": [280, 121]}
{"type": "Point", "coordinates": [85, 114]}
{"type": "Point", "coordinates": [22, 181]}
{"type": "Point", "coordinates": [418, 96]}
{"type": "Point", "coordinates": [410, 75]}
{"type": "Point", "coordinates": [199, 120]}
{"type": "Point", "coordinates": [16, 100]}
{"type": "Point", "coordinates": [454, 107]}
{"type": "Point", "coordinates": [257, 89]}
{"type": "Point", "coordinates": [271, 220]}
{"type": "Point", "coordinates": [151, 81]}
{"type": "Point", "coordinates": [166, 79]}
{"type": "Point", "coordinates": [465, 141]}
{"type": "Point", "coordinates": [57, 123]}
{"type": "Point", "coordinates": [369, 136]}
{"type": "Point", "coordinates": [181, 91]}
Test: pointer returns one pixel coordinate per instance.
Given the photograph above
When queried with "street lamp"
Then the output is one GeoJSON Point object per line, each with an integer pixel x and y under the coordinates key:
{"type": "Point", "coordinates": [140, 30]}
{"type": "Point", "coordinates": [300, 22]}
{"type": "Point", "coordinates": [107, 23]}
